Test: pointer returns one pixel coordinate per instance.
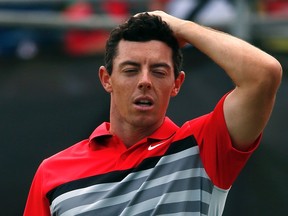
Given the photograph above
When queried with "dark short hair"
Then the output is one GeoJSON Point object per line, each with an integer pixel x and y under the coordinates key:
{"type": "Point", "coordinates": [142, 28]}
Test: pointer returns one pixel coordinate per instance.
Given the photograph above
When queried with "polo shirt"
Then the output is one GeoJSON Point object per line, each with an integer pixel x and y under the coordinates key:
{"type": "Point", "coordinates": [185, 170]}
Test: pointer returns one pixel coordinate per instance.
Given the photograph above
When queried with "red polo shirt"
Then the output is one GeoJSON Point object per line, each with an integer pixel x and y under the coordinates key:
{"type": "Point", "coordinates": [201, 150]}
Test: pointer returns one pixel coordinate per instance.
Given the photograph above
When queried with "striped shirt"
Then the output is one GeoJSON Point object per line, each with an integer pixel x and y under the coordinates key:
{"type": "Point", "coordinates": [184, 170]}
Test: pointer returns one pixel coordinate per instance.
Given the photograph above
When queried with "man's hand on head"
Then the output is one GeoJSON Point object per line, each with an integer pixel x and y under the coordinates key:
{"type": "Point", "coordinates": [174, 23]}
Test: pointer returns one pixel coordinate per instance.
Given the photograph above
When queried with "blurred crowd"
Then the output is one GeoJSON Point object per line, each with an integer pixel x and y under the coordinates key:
{"type": "Point", "coordinates": [26, 43]}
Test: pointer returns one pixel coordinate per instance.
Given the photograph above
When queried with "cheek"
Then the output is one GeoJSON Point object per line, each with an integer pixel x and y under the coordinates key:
{"type": "Point", "coordinates": [122, 93]}
{"type": "Point", "coordinates": [166, 89]}
{"type": "Point", "coordinates": [164, 95]}
{"type": "Point", "coordinates": [119, 83]}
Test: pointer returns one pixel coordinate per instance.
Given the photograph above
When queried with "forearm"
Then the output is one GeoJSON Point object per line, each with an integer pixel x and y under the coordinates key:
{"type": "Point", "coordinates": [244, 63]}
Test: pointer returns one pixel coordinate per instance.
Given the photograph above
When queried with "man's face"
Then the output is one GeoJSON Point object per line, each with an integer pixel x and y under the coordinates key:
{"type": "Point", "coordinates": [141, 83]}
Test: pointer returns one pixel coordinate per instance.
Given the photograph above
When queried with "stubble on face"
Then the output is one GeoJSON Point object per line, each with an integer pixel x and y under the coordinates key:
{"type": "Point", "coordinates": [139, 64]}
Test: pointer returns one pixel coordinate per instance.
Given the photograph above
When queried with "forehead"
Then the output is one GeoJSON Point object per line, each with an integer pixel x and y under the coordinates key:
{"type": "Point", "coordinates": [151, 51]}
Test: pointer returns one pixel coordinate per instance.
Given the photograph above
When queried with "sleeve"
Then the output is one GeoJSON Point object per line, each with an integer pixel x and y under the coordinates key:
{"type": "Point", "coordinates": [221, 160]}
{"type": "Point", "coordinates": [37, 203]}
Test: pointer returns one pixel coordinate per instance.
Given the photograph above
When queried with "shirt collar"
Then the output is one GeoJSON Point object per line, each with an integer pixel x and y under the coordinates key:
{"type": "Point", "coordinates": [101, 131]}
{"type": "Point", "coordinates": [166, 130]}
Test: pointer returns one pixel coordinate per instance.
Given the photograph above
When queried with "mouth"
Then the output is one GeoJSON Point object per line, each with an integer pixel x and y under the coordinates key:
{"type": "Point", "coordinates": [144, 103]}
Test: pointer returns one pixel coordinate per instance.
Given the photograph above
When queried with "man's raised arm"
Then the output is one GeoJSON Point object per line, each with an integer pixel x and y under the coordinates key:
{"type": "Point", "coordinates": [256, 76]}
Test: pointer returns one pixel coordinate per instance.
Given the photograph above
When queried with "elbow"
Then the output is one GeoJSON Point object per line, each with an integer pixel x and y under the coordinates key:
{"type": "Point", "coordinates": [271, 79]}
{"type": "Point", "coordinates": [276, 72]}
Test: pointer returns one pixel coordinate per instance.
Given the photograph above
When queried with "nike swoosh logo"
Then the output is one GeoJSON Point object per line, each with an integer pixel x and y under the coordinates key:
{"type": "Point", "coordinates": [155, 146]}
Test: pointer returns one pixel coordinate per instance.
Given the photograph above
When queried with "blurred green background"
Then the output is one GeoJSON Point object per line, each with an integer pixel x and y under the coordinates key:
{"type": "Point", "coordinates": [51, 98]}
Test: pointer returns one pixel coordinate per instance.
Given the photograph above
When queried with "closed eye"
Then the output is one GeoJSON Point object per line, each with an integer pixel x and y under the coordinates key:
{"type": "Point", "coordinates": [130, 71]}
{"type": "Point", "coordinates": [159, 73]}
{"type": "Point", "coordinates": [161, 69]}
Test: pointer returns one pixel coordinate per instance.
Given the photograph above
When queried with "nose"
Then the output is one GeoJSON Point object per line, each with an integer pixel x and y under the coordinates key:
{"type": "Point", "coordinates": [144, 81]}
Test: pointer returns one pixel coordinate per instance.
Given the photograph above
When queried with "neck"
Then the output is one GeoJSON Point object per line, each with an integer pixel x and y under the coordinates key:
{"type": "Point", "coordinates": [130, 134]}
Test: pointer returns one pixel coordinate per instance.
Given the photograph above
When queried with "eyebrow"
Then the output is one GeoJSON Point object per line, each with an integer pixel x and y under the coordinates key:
{"type": "Point", "coordinates": [132, 63]}
{"type": "Point", "coordinates": [156, 65]}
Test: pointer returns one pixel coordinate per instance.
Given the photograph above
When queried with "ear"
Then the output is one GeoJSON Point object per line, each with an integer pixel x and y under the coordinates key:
{"type": "Point", "coordinates": [178, 83]}
{"type": "Point", "coordinates": [105, 80]}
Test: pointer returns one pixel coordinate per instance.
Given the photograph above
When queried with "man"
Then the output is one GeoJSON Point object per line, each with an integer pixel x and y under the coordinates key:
{"type": "Point", "coordinates": [141, 163]}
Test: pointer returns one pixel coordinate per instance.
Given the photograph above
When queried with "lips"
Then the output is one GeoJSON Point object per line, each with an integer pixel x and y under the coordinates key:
{"type": "Point", "coordinates": [144, 102]}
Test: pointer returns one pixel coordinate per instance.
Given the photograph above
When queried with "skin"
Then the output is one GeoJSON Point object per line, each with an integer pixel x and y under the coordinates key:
{"type": "Point", "coordinates": [141, 85]}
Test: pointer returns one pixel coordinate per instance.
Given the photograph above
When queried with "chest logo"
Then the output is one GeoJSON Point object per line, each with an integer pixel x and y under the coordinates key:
{"type": "Point", "coordinates": [151, 147]}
